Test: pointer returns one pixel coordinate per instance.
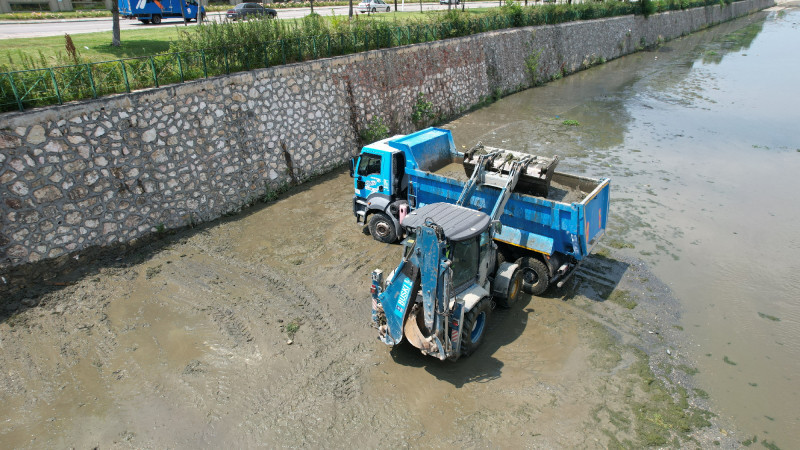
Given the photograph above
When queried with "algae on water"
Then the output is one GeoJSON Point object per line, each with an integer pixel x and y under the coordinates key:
{"type": "Point", "coordinates": [768, 317]}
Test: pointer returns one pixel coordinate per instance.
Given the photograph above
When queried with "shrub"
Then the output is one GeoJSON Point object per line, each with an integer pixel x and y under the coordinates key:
{"type": "Point", "coordinates": [375, 131]}
{"type": "Point", "coordinates": [423, 111]}
{"type": "Point", "coordinates": [221, 48]}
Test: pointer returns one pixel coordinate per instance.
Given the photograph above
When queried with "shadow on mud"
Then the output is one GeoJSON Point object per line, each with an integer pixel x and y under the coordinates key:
{"type": "Point", "coordinates": [23, 287]}
{"type": "Point", "coordinates": [596, 280]}
{"type": "Point", "coordinates": [504, 326]}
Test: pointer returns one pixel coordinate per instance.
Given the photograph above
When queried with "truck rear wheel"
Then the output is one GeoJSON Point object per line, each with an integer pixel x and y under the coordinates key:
{"type": "Point", "coordinates": [156, 19]}
{"type": "Point", "coordinates": [381, 228]}
{"type": "Point", "coordinates": [474, 326]}
{"type": "Point", "coordinates": [535, 277]}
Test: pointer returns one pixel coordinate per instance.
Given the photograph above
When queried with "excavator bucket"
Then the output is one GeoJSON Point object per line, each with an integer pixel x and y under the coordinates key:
{"type": "Point", "coordinates": [413, 331]}
{"type": "Point", "coordinates": [535, 177]}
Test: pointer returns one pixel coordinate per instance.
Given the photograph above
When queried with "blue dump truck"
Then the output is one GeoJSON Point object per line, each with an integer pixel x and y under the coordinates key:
{"type": "Point", "coordinates": [153, 11]}
{"type": "Point", "coordinates": [515, 224]}
{"type": "Point", "coordinates": [551, 222]}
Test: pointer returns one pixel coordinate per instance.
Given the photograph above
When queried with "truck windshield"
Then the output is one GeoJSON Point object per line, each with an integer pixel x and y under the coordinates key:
{"type": "Point", "coordinates": [369, 164]}
{"type": "Point", "coordinates": [465, 261]}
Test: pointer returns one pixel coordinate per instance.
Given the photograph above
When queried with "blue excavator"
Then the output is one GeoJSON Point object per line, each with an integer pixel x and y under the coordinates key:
{"type": "Point", "coordinates": [440, 296]}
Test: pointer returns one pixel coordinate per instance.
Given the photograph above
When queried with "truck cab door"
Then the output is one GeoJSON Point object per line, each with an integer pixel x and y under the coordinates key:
{"type": "Point", "coordinates": [372, 174]}
{"type": "Point", "coordinates": [399, 178]}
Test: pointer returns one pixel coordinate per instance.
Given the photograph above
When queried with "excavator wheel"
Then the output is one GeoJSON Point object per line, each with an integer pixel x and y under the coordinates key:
{"type": "Point", "coordinates": [535, 277]}
{"type": "Point", "coordinates": [501, 258]}
{"type": "Point", "coordinates": [474, 327]}
{"type": "Point", "coordinates": [514, 291]}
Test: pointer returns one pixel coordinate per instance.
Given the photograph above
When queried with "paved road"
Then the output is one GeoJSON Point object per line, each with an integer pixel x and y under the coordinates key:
{"type": "Point", "coordinates": [24, 29]}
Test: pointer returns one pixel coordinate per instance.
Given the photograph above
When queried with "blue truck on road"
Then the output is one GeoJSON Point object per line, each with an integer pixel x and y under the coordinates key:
{"type": "Point", "coordinates": [550, 223]}
{"type": "Point", "coordinates": [153, 11]}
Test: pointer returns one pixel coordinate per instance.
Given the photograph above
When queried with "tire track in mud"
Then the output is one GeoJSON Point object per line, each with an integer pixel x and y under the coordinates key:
{"type": "Point", "coordinates": [321, 392]}
{"type": "Point", "coordinates": [231, 341]}
{"type": "Point", "coordinates": [54, 351]}
{"type": "Point", "coordinates": [231, 325]}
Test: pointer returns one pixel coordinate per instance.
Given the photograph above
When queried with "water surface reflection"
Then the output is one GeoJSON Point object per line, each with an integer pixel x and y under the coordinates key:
{"type": "Point", "coordinates": [699, 137]}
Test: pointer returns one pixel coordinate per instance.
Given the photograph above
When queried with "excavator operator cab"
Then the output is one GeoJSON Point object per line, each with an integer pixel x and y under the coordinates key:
{"type": "Point", "coordinates": [440, 295]}
{"type": "Point", "coordinates": [465, 259]}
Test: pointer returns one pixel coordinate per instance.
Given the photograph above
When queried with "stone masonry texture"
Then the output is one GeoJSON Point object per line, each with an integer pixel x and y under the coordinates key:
{"type": "Point", "coordinates": [112, 170]}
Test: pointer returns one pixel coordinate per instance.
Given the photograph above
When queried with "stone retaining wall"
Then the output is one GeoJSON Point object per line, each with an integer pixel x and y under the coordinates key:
{"type": "Point", "coordinates": [115, 169]}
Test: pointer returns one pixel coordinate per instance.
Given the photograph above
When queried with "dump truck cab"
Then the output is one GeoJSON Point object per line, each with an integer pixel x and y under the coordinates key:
{"type": "Point", "coordinates": [380, 186]}
{"type": "Point", "coordinates": [381, 182]}
{"type": "Point", "coordinates": [440, 296]}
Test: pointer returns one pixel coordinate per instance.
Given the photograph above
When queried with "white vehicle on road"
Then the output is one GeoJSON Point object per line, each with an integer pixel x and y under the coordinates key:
{"type": "Point", "coordinates": [372, 6]}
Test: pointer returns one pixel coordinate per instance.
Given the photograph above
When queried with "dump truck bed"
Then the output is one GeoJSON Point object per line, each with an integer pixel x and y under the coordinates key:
{"type": "Point", "coordinates": [570, 219]}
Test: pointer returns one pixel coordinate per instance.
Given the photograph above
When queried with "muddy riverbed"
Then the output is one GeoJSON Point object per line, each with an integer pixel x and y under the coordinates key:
{"type": "Point", "coordinates": [254, 330]}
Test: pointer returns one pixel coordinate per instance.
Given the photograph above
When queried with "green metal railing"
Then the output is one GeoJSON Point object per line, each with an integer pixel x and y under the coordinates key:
{"type": "Point", "coordinates": [24, 89]}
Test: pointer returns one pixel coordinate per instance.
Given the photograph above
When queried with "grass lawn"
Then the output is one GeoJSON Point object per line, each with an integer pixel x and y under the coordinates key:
{"type": "Point", "coordinates": [93, 47]}
{"type": "Point", "coordinates": [43, 50]}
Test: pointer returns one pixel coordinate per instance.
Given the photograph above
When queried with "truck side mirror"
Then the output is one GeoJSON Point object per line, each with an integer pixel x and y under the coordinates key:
{"type": "Point", "coordinates": [352, 166]}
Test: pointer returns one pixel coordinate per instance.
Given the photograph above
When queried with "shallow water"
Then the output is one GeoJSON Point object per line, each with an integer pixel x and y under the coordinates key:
{"type": "Point", "coordinates": [700, 139]}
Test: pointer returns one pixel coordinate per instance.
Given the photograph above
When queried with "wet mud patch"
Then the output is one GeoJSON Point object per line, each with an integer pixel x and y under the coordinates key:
{"type": "Point", "coordinates": [544, 135]}
{"type": "Point", "coordinates": [611, 371]}
{"type": "Point", "coordinates": [255, 331]}
{"type": "Point", "coordinates": [638, 341]}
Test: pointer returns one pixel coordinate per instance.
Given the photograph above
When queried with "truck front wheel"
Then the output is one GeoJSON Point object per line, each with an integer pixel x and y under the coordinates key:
{"type": "Point", "coordinates": [535, 277]}
{"type": "Point", "coordinates": [474, 327]}
{"type": "Point", "coordinates": [381, 228]}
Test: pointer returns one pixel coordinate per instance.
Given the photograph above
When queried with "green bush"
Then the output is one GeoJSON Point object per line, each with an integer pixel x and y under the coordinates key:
{"type": "Point", "coordinates": [423, 111]}
{"type": "Point", "coordinates": [222, 48]}
{"type": "Point", "coordinates": [375, 131]}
